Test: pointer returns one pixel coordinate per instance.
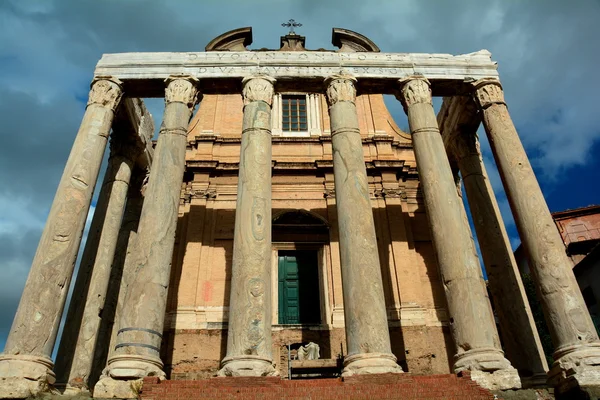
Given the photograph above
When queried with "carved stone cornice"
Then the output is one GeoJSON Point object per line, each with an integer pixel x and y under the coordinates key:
{"type": "Point", "coordinates": [258, 88]}
{"type": "Point", "coordinates": [488, 92]}
{"type": "Point", "coordinates": [182, 89]}
{"type": "Point", "coordinates": [340, 88]}
{"type": "Point", "coordinates": [106, 91]}
{"type": "Point", "coordinates": [414, 90]}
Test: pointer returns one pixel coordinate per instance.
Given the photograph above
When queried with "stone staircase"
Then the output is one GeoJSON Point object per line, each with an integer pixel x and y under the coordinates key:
{"type": "Point", "coordinates": [383, 386]}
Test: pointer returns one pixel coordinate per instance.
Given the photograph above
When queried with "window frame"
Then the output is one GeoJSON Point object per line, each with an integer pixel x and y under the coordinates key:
{"type": "Point", "coordinates": [312, 115]}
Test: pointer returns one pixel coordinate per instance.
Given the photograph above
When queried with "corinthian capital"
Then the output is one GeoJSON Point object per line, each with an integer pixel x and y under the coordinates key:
{"type": "Point", "coordinates": [182, 89]}
{"type": "Point", "coordinates": [414, 90]}
{"type": "Point", "coordinates": [488, 91]}
{"type": "Point", "coordinates": [340, 88]}
{"type": "Point", "coordinates": [258, 88]}
{"type": "Point", "coordinates": [106, 91]}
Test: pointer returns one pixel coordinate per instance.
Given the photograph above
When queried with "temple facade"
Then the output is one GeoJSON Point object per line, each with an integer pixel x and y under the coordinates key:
{"type": "Point", "coordinates": [291, 208]}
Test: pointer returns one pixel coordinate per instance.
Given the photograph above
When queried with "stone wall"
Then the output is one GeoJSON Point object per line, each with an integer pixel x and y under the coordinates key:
{"type": "Point", "coordinates": [197, 312]}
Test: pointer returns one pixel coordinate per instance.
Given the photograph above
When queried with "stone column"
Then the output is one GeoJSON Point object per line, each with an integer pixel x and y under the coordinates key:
{"type": "Point", "coordinates": [367, 331]}
{"type": "Point", "coordinates": [471, 321]}
{"type": "Point", "coordinates": [137, 353]}
{"type": "Point", "coordinates": [122, 270]}
{"type": "Point", "coordinates": [520, 337]}
{"type": "Point", "coordinates": [249, 342]}
{"type": "Point", "coordinates": [80, 336]}
{"type": "Point", "coordinates": [577, 349]}
{"type": "Point", "coordinates": [459, 121]}
{"type": "Point", "coordinates": [25, 364]}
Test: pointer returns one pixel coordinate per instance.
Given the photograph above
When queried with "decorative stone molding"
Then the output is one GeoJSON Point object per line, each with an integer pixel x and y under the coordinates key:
{"type": "Point", "coordinates": [391, 193]}
{"type": "Point", "coordinates": [349, 41]}
{"type": "Point", "coordinates": [199, 194]}
{"type": "Point", "coordinates": [258, 88]}
{"type": "Point", "coordinates": [487, 92]}
{"type": "Point", "coordinates": [329, 194]}
{"type": "Point", "coordinates": [340, 88]}
{"type": "Point", "coordinates": [106, 91]}
{"type": "Point", "coordinates": [414, 90]}
{"type": "Point", "coordinates": [182, 89]}
{"type": "Point", "coordinates": [234, 40]}
{"type": "Point", "coordinates": [292, 43]}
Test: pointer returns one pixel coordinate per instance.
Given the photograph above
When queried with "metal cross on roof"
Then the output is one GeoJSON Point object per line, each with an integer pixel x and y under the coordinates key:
{"type": "Point", "coordinates": [291, 24]}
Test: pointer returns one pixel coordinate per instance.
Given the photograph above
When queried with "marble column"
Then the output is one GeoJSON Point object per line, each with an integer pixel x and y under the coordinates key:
{"type": "Point", "coordinates": [249, 341]}
{"type": "Point", "coordinates": [520, 338]}
{"type": "Point", "coordinates": [122, 270]}
{"type": "Point", "coordinates": [471, 321]}
{"type": "Point", "coordinates": [25, 364]}
{"type": "Point", "coordinates": [577, 349]}
{"type": "Point", "coordinates": [80, 336]}
{"type": "Point", "coordinates": [367, 331]}
{"type": "Point", "coordinates": [137, 352]}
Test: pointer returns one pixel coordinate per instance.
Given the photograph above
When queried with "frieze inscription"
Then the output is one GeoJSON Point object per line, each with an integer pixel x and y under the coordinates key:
{"type": "Point", "coordinates": [308, 64]}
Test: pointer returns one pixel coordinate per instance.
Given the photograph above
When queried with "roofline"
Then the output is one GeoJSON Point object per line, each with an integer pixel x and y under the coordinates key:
{"type": "Point", "coordinates": [592, 209]}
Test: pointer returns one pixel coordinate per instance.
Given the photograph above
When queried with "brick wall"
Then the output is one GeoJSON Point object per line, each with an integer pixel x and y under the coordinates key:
{"type": "Point", "coordinates": [384, 386]}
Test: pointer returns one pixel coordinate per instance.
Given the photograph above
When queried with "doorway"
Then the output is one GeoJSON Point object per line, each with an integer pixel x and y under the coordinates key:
{"type": "Point", "coordinates": [298, 283]}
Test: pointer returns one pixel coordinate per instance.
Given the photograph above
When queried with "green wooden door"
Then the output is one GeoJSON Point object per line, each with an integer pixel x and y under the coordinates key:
{"type": "Point", "coordinates": [299, 288]}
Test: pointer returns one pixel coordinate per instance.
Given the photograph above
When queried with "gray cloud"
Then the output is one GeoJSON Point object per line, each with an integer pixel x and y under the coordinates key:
{"type": "Point", "coordinates": [547, 53]}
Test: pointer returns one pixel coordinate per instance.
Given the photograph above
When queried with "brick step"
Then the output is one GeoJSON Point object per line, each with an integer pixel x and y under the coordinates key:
{"type": "Point", "coordinates": [380, 386]}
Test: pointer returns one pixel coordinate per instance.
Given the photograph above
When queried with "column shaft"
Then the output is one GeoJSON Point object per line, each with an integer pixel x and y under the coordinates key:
{"type": "Point", "coordinates": [249, 342]}
{"type": "Point", "coordinates": [79, 339]}
{"type": "Point", "coordinates": [471, 321]}
{"type": "Point", "coordinates": [367, 332]}
{"type": "Point", "coordinates": [577, 350]}
{"type": "Point", "coordinates": [122, 273]}
{"type": "Point", "coordinates": [137, 353]}
{"type": "Point", "coordinates": [25, 365]}
{"type": "Point", "coordinates": [520, 337]}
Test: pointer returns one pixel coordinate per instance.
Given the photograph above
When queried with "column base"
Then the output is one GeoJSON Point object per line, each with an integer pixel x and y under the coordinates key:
{"type": "Point", "coordinates": [247, 366]}
{"type": "Point", "coordinates": [23, 376]}
{"type": "Point", "coordinates": [576, 366]}
{"type": "Point", "coordinates": [72, 391]}
{"type": "Point", "coordinates": [123, 377]}
{"type": "Point", "coordinates": [488, 368]}
{"type": "Point", "coordinates": [109, 388]}
{"type": "Point", "coordinates": [370, 363]}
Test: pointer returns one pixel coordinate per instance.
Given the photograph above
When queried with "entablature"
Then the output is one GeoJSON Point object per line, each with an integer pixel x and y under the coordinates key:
{"type": "Point", "coordinates": [143, 74]}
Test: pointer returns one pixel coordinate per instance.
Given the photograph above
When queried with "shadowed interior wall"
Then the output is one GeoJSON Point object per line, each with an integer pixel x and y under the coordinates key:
{"type": "Point", "coordinates": [196, 328]}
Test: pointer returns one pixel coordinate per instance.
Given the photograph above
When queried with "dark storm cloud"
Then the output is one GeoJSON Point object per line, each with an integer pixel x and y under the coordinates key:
{"type": "Point", "coordinates": [547, 52]}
